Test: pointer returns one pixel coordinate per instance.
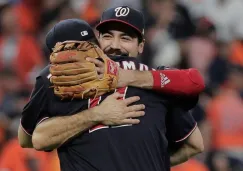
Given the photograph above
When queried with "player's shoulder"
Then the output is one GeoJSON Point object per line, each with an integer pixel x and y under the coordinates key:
{"type": "Point", "coordinates": [187, 102]}
{"type": "Point", "coordinates": [44, 72]}
{"type": "Point", "coordinates": [45, 75]}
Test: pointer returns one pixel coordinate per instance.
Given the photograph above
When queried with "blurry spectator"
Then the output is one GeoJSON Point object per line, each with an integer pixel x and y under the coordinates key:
{"type": "Point", "coordinates": [195, 7]}
{"type": "Point", "coordinates": [181, 26]}
{"type": "Point", "coordinates": [10, 86]}
{"type": "Point", "coordinates": [28, 14]}
{"type": "Point", "coordinates": [201, 48]}
{"type": "Point", "coordinates": [56, 10]}
{"type": "Point", "coordinates": [219, 66]}
{"type": "Point", "coordinates": [227, 16]}
{"type": "Point", "coordinates": [227, 23]}
{"type": "Point", "coordinates": [52, 10]}
{"type": "Point", "coordinates": [166, 50]}
{"type": "Point", "coordinates": [224, 113]}
{"type": "Point", "coordinates": [79, 5]}
{"type": "Point", "coordinates": [17, 50]}
{"type": "Point", "coordinates": [93, 10]}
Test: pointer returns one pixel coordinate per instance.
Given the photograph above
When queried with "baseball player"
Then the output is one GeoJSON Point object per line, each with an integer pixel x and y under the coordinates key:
{"type": "Point", "coordinates": [90, 144]}
{"type": "Point", "coordinates": [121, 31]}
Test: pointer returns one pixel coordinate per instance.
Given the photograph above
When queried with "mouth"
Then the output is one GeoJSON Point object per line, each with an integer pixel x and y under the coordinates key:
{"type": "Point", "coordinates": [117, 54]}
{"type": "Point", "coordinates": [124, 54]}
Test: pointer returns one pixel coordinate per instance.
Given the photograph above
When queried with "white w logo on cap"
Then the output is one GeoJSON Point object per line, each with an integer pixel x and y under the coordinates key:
{"type": "Point", "coordinates": [122, 11]}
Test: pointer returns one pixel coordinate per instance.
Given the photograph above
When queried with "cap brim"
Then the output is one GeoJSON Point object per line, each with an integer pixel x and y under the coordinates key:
{"type": "Point", "coordinates": [99, 26]}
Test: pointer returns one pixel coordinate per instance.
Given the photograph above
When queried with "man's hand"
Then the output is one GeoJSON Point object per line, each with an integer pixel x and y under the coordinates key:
{"type": "Point", "coordinates": [100, 68]}
{"type": "Point", "coordinates": [192, 146]}
{"type": "Point", "coordinates": [113, 111]}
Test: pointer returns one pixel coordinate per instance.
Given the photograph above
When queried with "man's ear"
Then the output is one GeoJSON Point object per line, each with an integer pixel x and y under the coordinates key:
{"type": "Point", "coordinates": [141, 46]}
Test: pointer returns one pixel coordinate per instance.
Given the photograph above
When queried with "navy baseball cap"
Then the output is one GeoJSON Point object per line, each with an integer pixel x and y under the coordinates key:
{"type": "Point", "coordinates": [125, 15]}
{"type": "Point", "coordinates": [70, 29]}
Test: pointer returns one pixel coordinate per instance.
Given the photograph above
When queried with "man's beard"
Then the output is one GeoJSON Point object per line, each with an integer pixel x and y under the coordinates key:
{"type": "Point", "coordinates": [113, 52]}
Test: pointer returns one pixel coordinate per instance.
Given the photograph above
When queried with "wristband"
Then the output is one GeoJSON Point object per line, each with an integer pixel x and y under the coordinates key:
{"type": "Point", "coordinates": [181, 82]}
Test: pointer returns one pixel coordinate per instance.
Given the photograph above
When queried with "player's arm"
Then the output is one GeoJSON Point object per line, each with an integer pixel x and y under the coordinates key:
{"type": "Point", "coordinates": [174, 81]}
{"type": "Point", "coordinates": [25, 140]}
{"type": "Point", "coordinates": [39, 130]}
{"type": "Point", "coordinates": [185, 139]}
{"type": "Point", "coordinates": [192, 146]}
{"type": "Point", "coordinates": [34, 111]}
{"type": "Point", "coordinates": [54, 132]}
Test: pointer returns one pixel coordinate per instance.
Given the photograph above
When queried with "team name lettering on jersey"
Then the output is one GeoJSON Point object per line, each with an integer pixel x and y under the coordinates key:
{"type": "Point", "coordinates": [143, 67]}
{"type": "Point", "coordinates": [131, 65]}
{"type": "Point", "coordinates": [128, 65]}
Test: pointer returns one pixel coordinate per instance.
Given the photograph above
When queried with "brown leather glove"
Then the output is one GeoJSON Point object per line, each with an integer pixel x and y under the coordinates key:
{"type": "Point", "coordinates": [75, 77]}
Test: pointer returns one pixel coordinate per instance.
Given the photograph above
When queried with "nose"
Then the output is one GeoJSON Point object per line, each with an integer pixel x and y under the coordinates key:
{"type": "Point", "coordinates": [115, 44]}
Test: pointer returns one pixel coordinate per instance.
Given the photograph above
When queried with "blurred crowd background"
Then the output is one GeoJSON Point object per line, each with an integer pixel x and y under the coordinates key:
{"type": "Point", "coordinates": [203, 34]}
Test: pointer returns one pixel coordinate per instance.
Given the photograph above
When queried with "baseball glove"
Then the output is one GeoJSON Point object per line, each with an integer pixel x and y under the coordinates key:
{"type": "Point", "coordinates": [73, 76]}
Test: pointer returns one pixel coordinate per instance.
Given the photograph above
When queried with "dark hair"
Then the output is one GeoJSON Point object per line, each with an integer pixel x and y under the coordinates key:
{"type": "Point", "coordinates": [140, 38]}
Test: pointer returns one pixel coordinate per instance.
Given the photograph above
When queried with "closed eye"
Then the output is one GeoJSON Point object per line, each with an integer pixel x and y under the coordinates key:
{"type": "Point", "coordinates": [106, 35]}
{"type": "Point", "coordinates": [126, 38]}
